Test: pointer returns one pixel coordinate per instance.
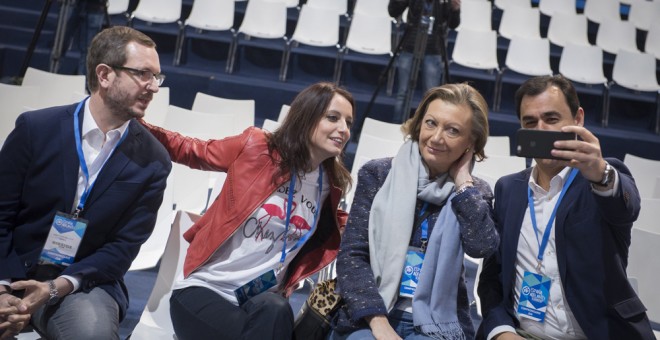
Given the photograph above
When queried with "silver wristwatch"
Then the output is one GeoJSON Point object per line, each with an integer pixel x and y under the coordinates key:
{"type": "Point", "coordinates": [53, 293]}
{"type": "Point", "coordinates": [608, 176]}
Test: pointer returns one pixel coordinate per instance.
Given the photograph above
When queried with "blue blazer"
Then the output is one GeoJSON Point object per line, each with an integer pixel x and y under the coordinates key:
{"type": "Point", "coordinates": [38, 177]}
{"type": "Point", "coordinates": [592, 237]}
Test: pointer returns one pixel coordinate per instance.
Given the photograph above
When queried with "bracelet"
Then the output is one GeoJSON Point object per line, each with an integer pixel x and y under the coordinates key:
{"type": "Point", "coordinates": [460, 186]}
{"type": "Point", "coordinates": [463, 187]}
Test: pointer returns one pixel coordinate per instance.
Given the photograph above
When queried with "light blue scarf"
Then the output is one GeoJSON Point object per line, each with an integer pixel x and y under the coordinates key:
{"type": "Point", "coordinates": [390, 227]}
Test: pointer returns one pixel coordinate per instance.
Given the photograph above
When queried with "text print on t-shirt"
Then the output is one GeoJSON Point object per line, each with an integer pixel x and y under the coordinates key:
{"type": "Point", "coordinates": [268, 225]}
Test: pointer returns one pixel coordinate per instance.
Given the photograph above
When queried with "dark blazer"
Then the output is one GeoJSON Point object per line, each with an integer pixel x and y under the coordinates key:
{"type": "Point", "coordinates": [38, 177]}
{"type": "Point", "coordinates": [592, 237]}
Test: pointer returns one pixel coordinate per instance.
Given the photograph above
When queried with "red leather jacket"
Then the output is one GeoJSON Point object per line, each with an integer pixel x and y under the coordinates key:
{"type": "Point", "coordinates": [250, 170]}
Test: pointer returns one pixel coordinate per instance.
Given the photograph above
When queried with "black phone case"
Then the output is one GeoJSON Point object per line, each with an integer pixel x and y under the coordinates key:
{"type": "Point", "coordinates": [539, 143]}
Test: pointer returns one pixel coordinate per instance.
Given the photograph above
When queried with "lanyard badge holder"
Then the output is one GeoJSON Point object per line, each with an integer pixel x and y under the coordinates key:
{"type": "Point", "coordinates": [268, 279]}
{"type": "Point", "coordinates": [414, 260]}
{"type": "Point", "coordinates": [67, 230]}
{"type": "Point", "coordinates": [535, 290]}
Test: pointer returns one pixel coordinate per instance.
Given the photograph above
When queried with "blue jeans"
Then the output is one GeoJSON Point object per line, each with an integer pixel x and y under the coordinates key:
{"type": "Point", "coordinates": [92, 315]}
{"type": "Point", "coordinates": [430, 72]}
{"type": "Point", "coordinates": [402, 322]}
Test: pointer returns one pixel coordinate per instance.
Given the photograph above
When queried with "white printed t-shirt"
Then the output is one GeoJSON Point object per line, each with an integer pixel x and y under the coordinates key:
{"type": "Point", "coordinates": [256, 246]}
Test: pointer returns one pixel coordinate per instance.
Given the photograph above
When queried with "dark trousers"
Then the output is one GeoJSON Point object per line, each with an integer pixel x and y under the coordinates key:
{"type": "Point", "coordinates": [200, 313]}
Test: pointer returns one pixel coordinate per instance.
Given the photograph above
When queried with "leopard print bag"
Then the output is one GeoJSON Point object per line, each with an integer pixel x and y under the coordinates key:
{"type": "Point", "coordinates": [313, 322]}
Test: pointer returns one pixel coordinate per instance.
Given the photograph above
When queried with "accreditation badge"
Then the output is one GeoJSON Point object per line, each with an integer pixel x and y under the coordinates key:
{"type": "Point", "coordinates": [256, 286]}
{"type": "Point", "coordinates": [411, 270]}
{"type": "Point", "coordinates": [534, 296]}
{"type": "Point", "coordinates": [64, 237]}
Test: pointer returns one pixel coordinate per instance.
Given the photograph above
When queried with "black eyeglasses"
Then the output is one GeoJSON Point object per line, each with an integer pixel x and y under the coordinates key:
{"type": "Point", "coordinates": [144, 75]}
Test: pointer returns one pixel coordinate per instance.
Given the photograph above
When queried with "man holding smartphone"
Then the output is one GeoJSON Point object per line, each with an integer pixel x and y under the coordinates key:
{"type": "Point", "coordinates": [565, 228]}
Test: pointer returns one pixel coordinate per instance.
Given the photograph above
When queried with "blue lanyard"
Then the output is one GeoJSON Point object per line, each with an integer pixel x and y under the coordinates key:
{"type": "Point", "coordinates": [546, 235]}
{"type": "Point", "coordinates": [81, 159]}
{"type": "Point", "coordinates": [303, 239]}
{"type": "Point", "coordinates": [425, 227]}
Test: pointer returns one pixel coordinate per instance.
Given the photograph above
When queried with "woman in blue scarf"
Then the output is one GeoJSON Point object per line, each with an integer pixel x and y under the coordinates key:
{"type": "Point", "coordinates": [413, 218]}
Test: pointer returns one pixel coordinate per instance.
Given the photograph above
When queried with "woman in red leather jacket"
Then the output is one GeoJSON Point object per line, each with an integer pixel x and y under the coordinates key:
{"type": "Point", "coordinates": [275, 222]}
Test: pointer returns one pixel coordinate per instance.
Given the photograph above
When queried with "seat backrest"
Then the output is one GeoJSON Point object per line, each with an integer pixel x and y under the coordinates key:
{"type": "Point", "coordinates": [645, 172]}
{"type": "Point", "coordinates": [529, 56]}
{"type": "Point", "coordinates": [600, 11]}
{"type": "Point", "coordinates": [520, 21]}
{"type": "Point", "coordinates": [476, 16]}
{"type": "Point", "coordinates": [157, 110]}
{"type": "Point", "coordinates": [339, 6]}
{"type": "Point", "coordinates": [582, 63]}
{"type": "Point", "coordinates": [643, 265]}
{"type": "Point", "coordinates": [368, 148]}
{"type": "Point", "coordinates": [498, 146]}
{"type": "Point", "coordinates": [649, 215]}
{"type": "Point", "coordinates": [117, 6]}
{"type": "Point", "coordinates": [284, 111]}
{"type": "Point", "coordinates": [652, 45]}
{"type": "Point", "coordinates": [372, 7]}
{"type": "Point", "coordinates": [370, 34]}
{"type": "Point", "coordinates": [553, 7]}
{"type": "Point", "coordinates": [635, 71]}
{"type": "Point", "coordinates": [56, 89]}
{"type": "Point", "coordinates": [643, 13]}
{"type": "Point", "coordinates": [476, 49]}
{"type": "Point", "coordinates": [212, 15]}
{"type": "Point", "coordinates": [506, 4]}
{"type": "Point", "coordinates": [270, 125]}
{"type": "Point", "coordinates": [155, 322]}
{"type": "Point", "coordinates": [380, 129]}
{"type": "Point", "coordinates": [567, 28]}
{"type": "Point", "coordinates": [158, 11]}
{"type": "Point", "coordinates": [317, 26]}
{"type": "Point", "coordinates": [14, 99]}
{"type": "Point", "coordinates": [154, 247]}
{"type": "Point", "coordinates": [243, 109]}
{"type": "Point", "coordinates": [615, 35]}
{"type": "Point", "coordinates": [264, 19]}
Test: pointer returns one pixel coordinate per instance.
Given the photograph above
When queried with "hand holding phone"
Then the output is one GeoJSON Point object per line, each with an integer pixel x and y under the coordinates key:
{"type": "Point", "coordinates": [539, 143]}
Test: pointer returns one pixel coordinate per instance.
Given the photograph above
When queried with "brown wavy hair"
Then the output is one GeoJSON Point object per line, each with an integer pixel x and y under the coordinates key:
{"type": "Point", "coordinates": [456, 94]}
{"type": "Point", "coordinates": [292, 139]}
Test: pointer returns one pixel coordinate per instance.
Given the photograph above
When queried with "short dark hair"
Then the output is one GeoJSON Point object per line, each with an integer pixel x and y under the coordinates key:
{"type": "Point", "coordinates": [534, 86]}
{"type": "Point", "coordinates": [109, 47]}
{"type": "Point", "coordinates": [292, 139]}
{"type": "Point", "coordinates": [456, 94]}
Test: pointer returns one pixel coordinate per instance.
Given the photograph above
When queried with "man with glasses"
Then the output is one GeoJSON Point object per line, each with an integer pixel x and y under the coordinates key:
{"type": "Point", "coordinates": [81, 187]}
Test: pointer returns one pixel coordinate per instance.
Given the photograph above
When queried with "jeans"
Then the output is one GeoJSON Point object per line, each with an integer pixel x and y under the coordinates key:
{"type": "Point", "coordinates": [82, 25]}
{"type": "Point", "coordinates": [401, 321]}
{"type": "Point", "coordinates": [430, 71]}
{"type": "Point", "coordinates": [200, 313]}
{"type": "Point", "coordinates": [81, 315]}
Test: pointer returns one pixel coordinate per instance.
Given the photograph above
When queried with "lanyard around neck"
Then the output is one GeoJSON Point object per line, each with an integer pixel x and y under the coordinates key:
{"type": "Point", "coordinates": [546, 234]}
{"type": "Point", "coordinates": [425, 227]}
{"type": "Point", "coordinates": [289, 203]}
{"type": "Point", "coordinates": [81, 159]}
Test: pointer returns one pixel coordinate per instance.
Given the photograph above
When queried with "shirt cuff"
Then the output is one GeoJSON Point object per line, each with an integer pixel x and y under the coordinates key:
{"type": "Point", "coordinates": [608, 193]}
{"type": "Point", "coordinates": [75, 282]}
{"type": "Point", "coordinates": [500, 329]}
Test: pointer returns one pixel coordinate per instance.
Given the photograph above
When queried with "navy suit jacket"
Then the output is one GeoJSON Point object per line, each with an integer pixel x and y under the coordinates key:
{"type": "Point", "coordinates": [592, 235]}
{"type": "Point", "coordinates": [38, 177]}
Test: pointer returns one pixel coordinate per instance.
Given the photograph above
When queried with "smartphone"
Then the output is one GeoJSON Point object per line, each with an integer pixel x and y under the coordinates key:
{"type": "Point", "coordinates": [539, 143]}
